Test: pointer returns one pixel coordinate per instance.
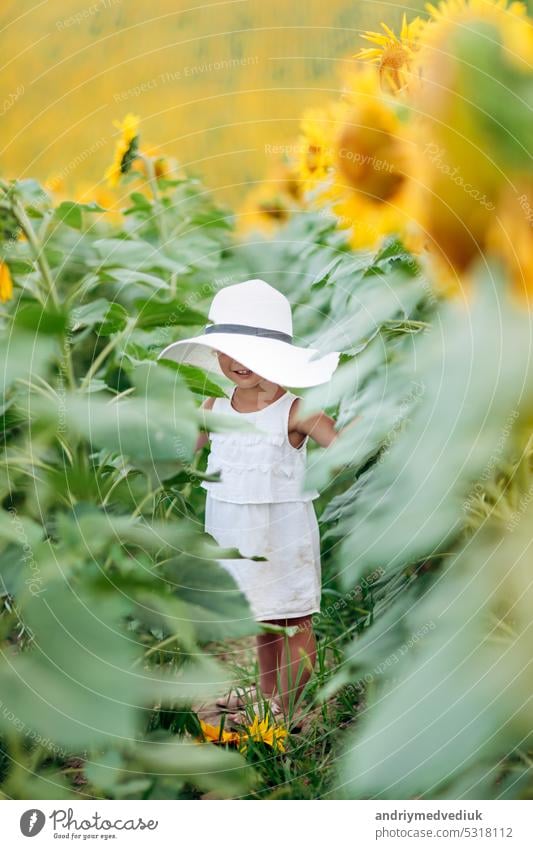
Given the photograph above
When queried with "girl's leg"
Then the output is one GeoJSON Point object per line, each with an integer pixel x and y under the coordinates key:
{"type": "Point", "coordinates": [285, 663]}
{"type": "Point", "coordinates": [297, 660]}
{"type": "Point", "coordinates": [269, 652]}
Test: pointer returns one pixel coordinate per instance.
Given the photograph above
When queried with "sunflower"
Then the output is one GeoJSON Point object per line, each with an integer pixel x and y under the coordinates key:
{"type": "Point", "coordinates": [215, 734]}
{"type": "Point", "coordinates": [367, 223]}
{"type": "Point", "coordinates": [260, 731]}
{"type": "Point", "coordinates": [356, 160]}
{"type": "Point", "coordinates": [315, 153]}
{"type": "Point", "coordinates": [460, 177]}
{"type": "Point", "coordinates": [393, 54]}
{"type": "Point", "coordinates": [375, 158]}
{"type": "Point", "coordinates": [370, 150]}
{"type": "Point", "coordinates": [6, 283]}
{"type": "Point", "coordinates": [125, 149]}
{"type": "Point", "coordinates": [164, 167]}
{"type": "Point", "coordinates": [269, 205]}
{"type": "Point", "coordinates": [263, 210]}
{"type": "Point", "coordinates": [87, 191]}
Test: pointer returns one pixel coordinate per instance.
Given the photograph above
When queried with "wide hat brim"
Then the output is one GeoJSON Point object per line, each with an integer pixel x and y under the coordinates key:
{"type": "Point", "coordinates": [274, 360]}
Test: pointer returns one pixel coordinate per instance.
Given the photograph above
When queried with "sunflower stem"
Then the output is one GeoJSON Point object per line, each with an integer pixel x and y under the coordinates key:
{"type": "Point", "coordinates": [97, 362]}
{"type": "Point", "coordinates": [158, 206]}
{"type": "Point", "coordinates": [38, 249]}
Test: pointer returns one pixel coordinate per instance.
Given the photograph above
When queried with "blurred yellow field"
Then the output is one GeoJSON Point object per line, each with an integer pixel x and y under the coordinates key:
{"type": "Point", "coordinates": [216, 84]}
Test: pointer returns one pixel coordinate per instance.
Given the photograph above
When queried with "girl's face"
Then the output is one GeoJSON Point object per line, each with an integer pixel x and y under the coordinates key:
{"type": "Point", "coordinates": [236, 372]}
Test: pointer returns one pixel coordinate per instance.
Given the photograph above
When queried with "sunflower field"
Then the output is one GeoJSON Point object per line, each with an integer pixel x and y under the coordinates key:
{"type": "Point", "coordinates": [400, 225]}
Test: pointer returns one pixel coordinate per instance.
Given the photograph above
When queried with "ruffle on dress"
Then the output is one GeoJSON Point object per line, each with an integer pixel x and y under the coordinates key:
{"type": "Point", "coordinates": [239, 438]}
{"type": "Point", "coordinates": [258, 467]}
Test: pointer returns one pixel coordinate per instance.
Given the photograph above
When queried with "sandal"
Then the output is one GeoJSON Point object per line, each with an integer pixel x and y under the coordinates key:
{"type": "Point", "coordinates": [237, 699]}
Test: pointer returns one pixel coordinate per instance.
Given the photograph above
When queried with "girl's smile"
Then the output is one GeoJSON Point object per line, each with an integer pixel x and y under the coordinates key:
{"type": "Point", "coordinates": [236, 371]}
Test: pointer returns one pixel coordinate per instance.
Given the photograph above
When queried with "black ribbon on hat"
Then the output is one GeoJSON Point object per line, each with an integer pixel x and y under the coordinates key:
{"type": "Point", "coordinates": [249, 330]}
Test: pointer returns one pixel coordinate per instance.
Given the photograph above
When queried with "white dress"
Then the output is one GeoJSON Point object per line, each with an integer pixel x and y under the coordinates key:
{"type": "Point", "coordinates": [261, 508]}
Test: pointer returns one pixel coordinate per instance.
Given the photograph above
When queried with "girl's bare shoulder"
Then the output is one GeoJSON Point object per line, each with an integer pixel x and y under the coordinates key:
{"type": "Point", "coordinates": [207, 403]}
{"type": "Point", "coordinates": [295, 417]}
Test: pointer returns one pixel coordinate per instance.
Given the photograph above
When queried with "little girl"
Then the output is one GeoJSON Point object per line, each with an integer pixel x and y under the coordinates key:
{"type": "Point", "coordinates": [259, 505]}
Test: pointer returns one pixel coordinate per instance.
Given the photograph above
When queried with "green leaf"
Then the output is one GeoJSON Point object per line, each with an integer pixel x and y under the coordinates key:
{"type": "Point", "coordinates": [81, 683]}
{"type": "Point", "coordinates": [19, 528]}
{"type": "Point", "coordinates": [472, 374]}
{"type": "Point", "coordinates": [207, 766]}
{"type": "Point", "coordinates": [217, 608]}
{"type": "Point", "coordinates": [392, 249]}
{"type": "Point", "coordinates": [108, 316]}
{"type": "Point", "coordinates": [69, 213]}
{"type": "Point", "coordinates": [24, 355]}
{"type": "Point", "coordinates": [76, 686]}
{"type": "Point", "coordinates": [45, 785]}
{"type": "Point", "coordinates": [31, 316]}
{"type": "Point", "coordinates": [106, 772]}
{"type": "Point", "coordinates": [153, 313]}
{"type": "Point", "coordinates": [140, 201]}
{"type": "Point", "coordinates": [96, 530]}
{"type": "Point", "coordinates": [195, 378]}
{"type": "Point", "coordinates": [132, 277]}
{"type": "Point", "coordinates": [31, 192]}
{"type": "Point", "coordinates": [458, 684]}
{"type": "Point", "coordinates": [138, 428]}
{"type": "Point", "coordinates": [134, 254]}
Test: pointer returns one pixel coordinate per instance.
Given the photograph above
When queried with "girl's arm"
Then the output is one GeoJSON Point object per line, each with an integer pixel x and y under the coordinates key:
{"type": "Point", "coordinates": [203, 438]}
{"type": "Point", "coordinates": [319, 426]}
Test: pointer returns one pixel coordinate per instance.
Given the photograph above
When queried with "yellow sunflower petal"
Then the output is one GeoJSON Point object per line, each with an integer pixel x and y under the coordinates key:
{"type": "Point", "coordinates": [375, 37]}
{"type": "Point", "coordinates": [371, 54]}
{"type": "Point", "coordinates": [389, 32]}
{"type": "Point", "coordinates": [6, 283]}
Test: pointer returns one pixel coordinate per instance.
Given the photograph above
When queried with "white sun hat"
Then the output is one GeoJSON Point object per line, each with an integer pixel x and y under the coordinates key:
{"type": "Point", "coordinates": [252, 323]}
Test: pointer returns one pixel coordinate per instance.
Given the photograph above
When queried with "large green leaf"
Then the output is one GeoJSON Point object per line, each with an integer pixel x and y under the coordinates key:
{"type": "Point", "coordinates": [30, 315]}
{"type": "Point", "coordinates": [76, 686]}
{"type": "Point", "coordinates": [98, 530]}
{"type": "Point", "coordinates": [189, 594]}
{"type": "Point", "coordinates": [138, 428]}
{"type": "Point", "coordinates": [206, 766]}
{"type": "Point", "coordinates": [80, 683]}
{"type": "Point", "coordinates": [135, 255]}
{"type": "Point", "coordinates": [217, 608]}
{"type": "Point", "coordinates": [153, 313]}
{"type": "Point", "coordinates": [108, 317]}
{"type": "Point", "coordinates": [24, 355]}
{"type": "Point", "coordinates": [129, 277]}
{"type": "Point", "coordinates": [474, 379]}
{"type": "Point", "coordinates": [458, 688]}
{"type": "Point", "coordinates": [70, 212]}
{"type": "Point", "coordinates": [196, 379]}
